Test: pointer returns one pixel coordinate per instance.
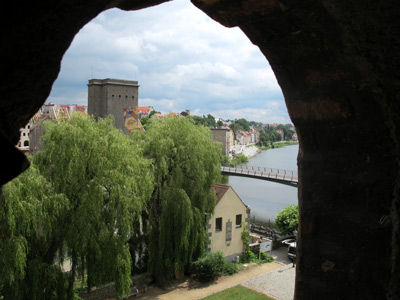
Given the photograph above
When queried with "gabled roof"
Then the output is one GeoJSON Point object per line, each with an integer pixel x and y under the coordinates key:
{"type": "Point", "coordinates": [144, 109]}
{"type": "Point", "coordinates": [221, 189]}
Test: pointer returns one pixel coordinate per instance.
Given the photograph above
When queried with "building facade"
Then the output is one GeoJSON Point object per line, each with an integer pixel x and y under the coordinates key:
{"type": "Point", "coordinates": [223, 135]}
{"type": "Point", "coordinates": [225, 226]}
{"type": "Point", "coordinates": [112, 97]}
{"type": "Point", "coordinates": [49, 111]}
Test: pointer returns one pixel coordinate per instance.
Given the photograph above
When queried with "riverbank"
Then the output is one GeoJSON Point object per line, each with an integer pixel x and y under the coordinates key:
{"type": "Point", "coordinates": [251, 150]}
{"type": "Point", "coordinates": [278, 145]}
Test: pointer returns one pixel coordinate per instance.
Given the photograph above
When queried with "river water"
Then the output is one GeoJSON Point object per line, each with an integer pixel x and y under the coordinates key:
{"type": "Point", "coordinates": [267, 198]}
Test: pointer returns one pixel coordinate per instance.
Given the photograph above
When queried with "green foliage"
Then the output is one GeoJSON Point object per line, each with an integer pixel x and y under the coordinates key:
{"type": "Point", "coordinates": [240, 124]}
{"type": "Point", "coordinates": [237, 160]}
{"type": "Point", "coordinates": [287, 220]}
{"type": "Point", "coordinates": [212, 265]}
{"type": "Point", "coordinates": [287, 132]}
{"type": "Point", "coordinates": [79, 199]}
{"type": "Point", "coordinates": [264, 257]}
{"type": "Point", "coordinates": [186, 164]}
{"type": "Point", "coordinates": [249, 256]}
{"type": "Point", "coordinates": [207, 121]}
{"type": "Point", "coordinates": [269, 135]}
{"type": "Point", "coordinates": [30, 216]}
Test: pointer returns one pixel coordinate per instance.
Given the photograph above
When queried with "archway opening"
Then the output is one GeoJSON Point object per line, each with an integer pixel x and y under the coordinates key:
{"type": "Point", "coordinates": [183, 60]}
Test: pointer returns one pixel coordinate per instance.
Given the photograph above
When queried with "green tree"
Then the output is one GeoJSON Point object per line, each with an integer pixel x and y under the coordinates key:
{"type": "Point", "coordinates": [210, 120]}
{"type": "Point", "coordinates": [31, 216]}
{"type": "Point", "coordinates": [79, 199]}
{"type": "Point", "coordinates": [287, 219]}
{"type": "Point", "coordinates": [240, 124]}
{"type": "Point", "coordinates": [186, 164]}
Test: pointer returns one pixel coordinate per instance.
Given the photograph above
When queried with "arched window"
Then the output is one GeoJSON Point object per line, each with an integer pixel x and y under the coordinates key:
{"type": "Point", "coordinates": [26, 144]}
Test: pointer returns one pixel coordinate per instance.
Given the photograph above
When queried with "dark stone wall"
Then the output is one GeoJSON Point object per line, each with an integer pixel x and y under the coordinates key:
{"type": "Point", "coordinates": [338, 65]}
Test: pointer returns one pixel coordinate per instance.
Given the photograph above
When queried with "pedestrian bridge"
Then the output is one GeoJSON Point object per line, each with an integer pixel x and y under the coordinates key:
{"type": "Point", "coordinates": [287, 177]}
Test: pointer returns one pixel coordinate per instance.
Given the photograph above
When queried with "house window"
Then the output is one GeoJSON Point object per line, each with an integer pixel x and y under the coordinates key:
{"type": "Point", "coordinates": [238, 221]}
{"type": "Point", "coordinates": [218, 224]}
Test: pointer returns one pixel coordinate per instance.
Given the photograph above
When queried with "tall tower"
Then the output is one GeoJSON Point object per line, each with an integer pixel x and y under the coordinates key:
{"type": "Point", "coordinates": [112, 97]}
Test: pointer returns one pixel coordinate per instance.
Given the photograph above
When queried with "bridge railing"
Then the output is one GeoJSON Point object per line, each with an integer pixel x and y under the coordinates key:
{"type": "Point", "coordinates": [286, 175]}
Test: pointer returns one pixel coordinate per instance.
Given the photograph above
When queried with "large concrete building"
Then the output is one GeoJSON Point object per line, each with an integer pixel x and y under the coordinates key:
{"type": "Point", "coordinates": [225, 136]}
{"type": "Point", "coordinates": [112, 97]}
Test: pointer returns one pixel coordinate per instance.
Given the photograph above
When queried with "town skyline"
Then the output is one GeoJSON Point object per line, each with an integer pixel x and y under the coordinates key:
{"type": "Point", "coordinates": [182, 60]}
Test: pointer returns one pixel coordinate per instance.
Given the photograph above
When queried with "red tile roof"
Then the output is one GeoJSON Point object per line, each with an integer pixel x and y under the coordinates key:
{"type": "Point", "coordinates": [144, 109]}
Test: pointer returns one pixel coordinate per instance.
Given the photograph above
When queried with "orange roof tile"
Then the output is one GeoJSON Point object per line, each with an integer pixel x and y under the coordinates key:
{"type": "Point", "coordinates": [144, 109]}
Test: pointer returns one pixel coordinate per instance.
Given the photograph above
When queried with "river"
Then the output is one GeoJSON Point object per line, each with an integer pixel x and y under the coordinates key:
{"type": "Point", "coordinates": [267, 198]}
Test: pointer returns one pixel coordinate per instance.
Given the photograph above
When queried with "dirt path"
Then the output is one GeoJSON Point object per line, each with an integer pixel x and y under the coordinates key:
{"type": "Point", "coordinates": [189, 290]}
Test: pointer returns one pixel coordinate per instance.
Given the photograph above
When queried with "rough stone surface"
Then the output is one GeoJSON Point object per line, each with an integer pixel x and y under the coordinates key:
{"type": "Point", "coordinates": [338, 65]}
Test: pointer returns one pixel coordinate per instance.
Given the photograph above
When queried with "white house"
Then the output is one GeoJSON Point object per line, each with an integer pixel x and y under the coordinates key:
{"type": "Point", "coordinates": [225, 226]}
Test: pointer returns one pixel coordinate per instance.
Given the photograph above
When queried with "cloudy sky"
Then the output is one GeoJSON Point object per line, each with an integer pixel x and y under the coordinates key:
{"type": "Point", "coordinates": [182, 60]}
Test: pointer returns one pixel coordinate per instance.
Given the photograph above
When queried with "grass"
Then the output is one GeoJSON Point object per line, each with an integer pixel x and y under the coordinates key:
{"type": "Point", "coordinates": [238, 292]}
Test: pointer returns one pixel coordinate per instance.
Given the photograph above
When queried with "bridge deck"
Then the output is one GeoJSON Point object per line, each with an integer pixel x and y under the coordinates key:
{"type": "Point", "coordinates": [287, 177]}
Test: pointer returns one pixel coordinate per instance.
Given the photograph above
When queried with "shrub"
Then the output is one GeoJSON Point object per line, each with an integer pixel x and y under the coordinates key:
{"type": "Point", "coordinates": [249, 256]}
{"type": "Point", "coordinates": [212, 265]}
{"type": "Point", "coordinates": [230, 269]}
{"type": "Point", "coordinates": [265, 257]}
{"type": "Point", "coordinates": [287, 219]}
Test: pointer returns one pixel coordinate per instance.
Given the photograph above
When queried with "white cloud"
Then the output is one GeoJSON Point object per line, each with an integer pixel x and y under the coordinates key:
{"type": "Point", "coordinates": [252, 114]}
{"type": "Point", "coordinates": [181, 58]}
{"type": "Point", "coordinates": [162, 105]}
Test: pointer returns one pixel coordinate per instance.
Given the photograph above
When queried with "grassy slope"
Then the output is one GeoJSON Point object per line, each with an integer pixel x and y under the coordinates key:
{"type": "Point", "coordinates": [238, 292]}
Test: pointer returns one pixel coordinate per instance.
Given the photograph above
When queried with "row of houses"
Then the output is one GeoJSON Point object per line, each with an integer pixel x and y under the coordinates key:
{"type": "Point", "coordinates": [30, 135]}
{"type": "Point", "coordinates": [248, 137]}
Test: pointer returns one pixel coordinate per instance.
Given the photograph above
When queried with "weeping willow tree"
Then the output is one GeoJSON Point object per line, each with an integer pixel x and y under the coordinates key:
{"type": "Point", "coordinates": [186, 165]}
{"type": "Point", "coordinates": [79, 200]}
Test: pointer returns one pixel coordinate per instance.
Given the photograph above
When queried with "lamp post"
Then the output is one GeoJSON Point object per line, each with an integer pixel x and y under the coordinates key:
{"type": "Point", "coordinates": [295, 245]}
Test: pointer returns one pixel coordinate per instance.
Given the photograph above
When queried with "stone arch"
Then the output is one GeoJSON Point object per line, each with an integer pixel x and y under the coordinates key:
{"type": "Point", "coordinates": [338, 67]}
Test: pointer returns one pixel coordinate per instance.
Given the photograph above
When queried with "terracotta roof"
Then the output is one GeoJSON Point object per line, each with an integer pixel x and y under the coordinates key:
{"type": "Point", "coordinates": [144, 109]}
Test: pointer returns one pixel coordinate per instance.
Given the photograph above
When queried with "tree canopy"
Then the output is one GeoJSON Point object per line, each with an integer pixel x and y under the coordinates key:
{"type": "Point", "coordinates": [208, 121]}
{"type": "Point", "coordinates": [240, 124]}
{"type": "Point", "coordinates": [79, 200]}
{"type": "Point", "coordinates": [186, 164]}
{"type": "Point", "coordinates": [287, 219]}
